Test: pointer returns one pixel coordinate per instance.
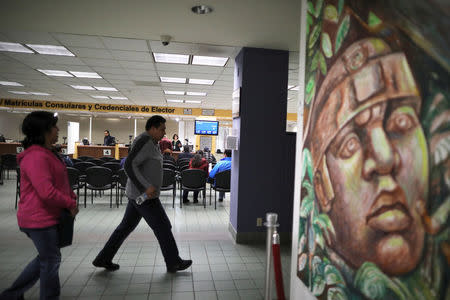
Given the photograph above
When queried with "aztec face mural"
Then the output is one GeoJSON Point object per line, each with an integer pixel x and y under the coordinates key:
{"type": "Point", "coordinates": [376, 157]}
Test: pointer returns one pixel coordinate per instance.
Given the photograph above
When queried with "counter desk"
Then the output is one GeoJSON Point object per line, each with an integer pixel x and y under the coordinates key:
{"type": "Point", "coordinates": [102, 151]}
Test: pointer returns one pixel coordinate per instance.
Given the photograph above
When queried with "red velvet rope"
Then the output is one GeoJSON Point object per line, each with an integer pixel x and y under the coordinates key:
{"type": "Point", "coordinates": [277, 269]}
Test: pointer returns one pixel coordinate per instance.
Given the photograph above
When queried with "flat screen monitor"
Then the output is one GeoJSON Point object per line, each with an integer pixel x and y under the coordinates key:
{"type": "Point", "coordinates": [206, 127]}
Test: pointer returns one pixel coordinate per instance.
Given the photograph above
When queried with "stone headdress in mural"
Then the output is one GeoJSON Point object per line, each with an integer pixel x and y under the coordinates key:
{"type": "Point", "coordinates": [365, 226]}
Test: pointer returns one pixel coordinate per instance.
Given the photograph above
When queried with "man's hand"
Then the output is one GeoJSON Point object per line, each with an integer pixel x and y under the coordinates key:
{"type": "Point", "coordinates": [151, 192]}
{"type": "Point", "coordinates": [74, 211]}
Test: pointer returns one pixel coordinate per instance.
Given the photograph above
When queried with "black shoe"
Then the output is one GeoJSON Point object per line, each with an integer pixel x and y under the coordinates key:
{"type": "Point", "coordinates": [185, 201]}
{"type": "Point", "coordinates": [183, 265]}
{"type": "Point", "coordinates": [220, 200]}
{"type": "Point", "coordinates": [195, 200]}
{"type": "Point", "coordinates": [110, 266]}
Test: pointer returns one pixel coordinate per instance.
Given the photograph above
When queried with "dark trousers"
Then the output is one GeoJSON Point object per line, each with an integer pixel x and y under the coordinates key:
{"type": "Point", "coordinates": [221, 196]}
{"type": "Point", "coordinates": [186, 193]}
{"type": "Point", "coordinates": [155, 216]}
{"type": "Point", "coordinates": [44, 267]}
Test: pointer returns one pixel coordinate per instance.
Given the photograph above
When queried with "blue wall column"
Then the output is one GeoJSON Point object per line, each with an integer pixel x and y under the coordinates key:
{"type": "Point", "coordinates": [263, 166]}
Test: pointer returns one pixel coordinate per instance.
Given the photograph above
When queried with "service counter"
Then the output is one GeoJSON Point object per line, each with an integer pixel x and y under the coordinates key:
{"type": "Point", "coordinates": [102, 151]}
{"type": "Point", "coordinates": [10, 148]}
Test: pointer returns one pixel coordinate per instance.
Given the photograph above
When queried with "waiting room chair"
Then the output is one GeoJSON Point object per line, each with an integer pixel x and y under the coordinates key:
{"type": "Point", "coordinates": [122, 183]}
{"type": "Point", "coordinates": [84, 158]}
{"type": "Point", "coordinates": [76, 160]}
{"type": "Point", "coordinates": [107, 158]}
{"type": "Point", "coordinates": [9, 162]}
{"type": "Point", "coordinates": [96, 161]}
{"type": "Point", "coordinates": [74, 180]}
{"type": "Point", "coordinates": [222, 184]}
{"type": "Point", "coordinates": [99, 179]}
{"type": "Point", "coordinates": [169, 183]}
{"type": "Point", "coordinates": [193, 180]}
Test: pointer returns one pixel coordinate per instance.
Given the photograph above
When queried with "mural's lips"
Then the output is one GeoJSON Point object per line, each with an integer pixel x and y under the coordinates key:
{"type": "Point", "coordinates": [389, 213]}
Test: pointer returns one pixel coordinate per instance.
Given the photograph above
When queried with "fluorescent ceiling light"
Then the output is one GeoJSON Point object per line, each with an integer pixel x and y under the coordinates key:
{"type": "Point", "coordinates": [14, 47]}
{"type": "Point", "coordinates": [192, 101]}
{"type": "Point", "coordinates": [10, 83]}
{"type": "Point", "coordinates": [57, 73]}
{"type": "Point", "coordinates": [174, 92]}
{"type": "Point", "coordinates": [196, 93]}
{"type": "Point", "coordinates": [39, 94]}
{"type": "Point", "coordinates": [100, 97]}
{"type": "Point", "coordinates": [51, 50]}
{"type": "Point", "coordinates": [201, 81]}
{"type": "Point", "coordinates": [209, 60]}
{"type": "Point", "coordinates": [173, 79]}
{"type": "Point", "coordinates": [118, 98]}
{"type": "Point", "coordinates": [173, 100]}
{"type": "Point", "coordinates": [83, 87]}
{"type": "Point", "coordinates": [106, 88]}
{"type": "Point", "coordinates": [19, 92]}
{"type": "Point", "coordinates": [85, 74]}
{"type": "Point", "coordinates": [171, 58]}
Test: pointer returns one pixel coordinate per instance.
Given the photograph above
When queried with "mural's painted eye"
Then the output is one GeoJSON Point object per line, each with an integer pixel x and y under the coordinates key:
{"type": "Point", "coordinates": [400, 123]}
{"type": "Point", "coordinates": [349, 147]}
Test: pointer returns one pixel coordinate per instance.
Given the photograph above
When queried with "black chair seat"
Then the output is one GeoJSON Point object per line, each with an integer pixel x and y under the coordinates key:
{"type": "Point", "coordinates": [169, 183]}
{"type": "Point", "coordinates": [193, 180]}
{"type": "Point", "coordinates": [99, 179]}
{"type": "Point", "coordinates": [222, 184]}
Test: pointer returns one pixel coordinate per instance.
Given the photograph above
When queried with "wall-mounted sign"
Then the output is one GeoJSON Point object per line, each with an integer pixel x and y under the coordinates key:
{"type": "Point", "coordinates": [19, 149]}
{"type": "Point", "coordinates": [187, 111]}
{"type": "Point", "coordinates": [207, 112]}
{"type": "Point", "coordinates": [107, 152]}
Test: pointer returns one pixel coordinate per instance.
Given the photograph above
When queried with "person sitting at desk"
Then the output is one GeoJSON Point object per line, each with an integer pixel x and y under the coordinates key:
{"type": "Point", "coordinates": [2, 138]}
{"type": "Point", "coordinates": [186, 153]}
{"type": "Point", "coordinates": [66, 159]}
{"type": "Point", "coordinates": [223, 165]}
{"type": "Point", "coordinates": [109, 140]}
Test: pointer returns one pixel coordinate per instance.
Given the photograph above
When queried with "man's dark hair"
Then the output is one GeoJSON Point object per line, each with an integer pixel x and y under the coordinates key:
{"type": "Point", "coordinates": [196, 161]}
{"type": "Point", "coordinates": [199, 152]}
{"type": "Point", "coordinates": [186, 148]}
{"type": "Point", "coordinates": [228, 152]}
{"type": "Point", "coordinates": [106, 130]}
{"type": "Point", "coordinates": [58, 148]}
{"type": "Point", "coordinates": [154, 121]}
{"type": "Point", "coordinates": [35, 126]}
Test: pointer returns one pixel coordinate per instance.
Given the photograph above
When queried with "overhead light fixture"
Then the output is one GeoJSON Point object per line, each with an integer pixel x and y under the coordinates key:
{"type": "Point", "coordinates": [99, 97]}
{"type": "Point", "coordinates": [51, 50]}
{"type": "Point", "coordinates": [39, 94]}
{"type": "Point", "coordinates": [175, 100]}
{"type": "Point", "coordinates": [19, 92]}
{"type": "Point", "coordinates": [85, 74]}
{"type": "Point", "coordinates": [173, 79]}
{"type": "Point", "coordinates": [57, 73]}
{"type": "Point", "coordinates": [209, 60]}
{"type": "Point", "coordinates": [106, 88]}
{"type": "Point", "coordinates": [118, 98]}
{"type": "Point", "coordinates": [14, 47]}
{"type": "Point", "coordinates": [201, 9]}
{"type": "Point", "coordinates": [174, 92]}
{"type": "Point", "coordinates": [10, 83]}
{"type": "Point", "coordinates": [192, 101]}
{"type": "Point", "coordinates": [201, 81]}
{"type": "Point", "coordinates": [171, 58]}
{"type": "Point", "coordinates": [196, 93]}
{"type": "Point", "coordinates": [83, 87]}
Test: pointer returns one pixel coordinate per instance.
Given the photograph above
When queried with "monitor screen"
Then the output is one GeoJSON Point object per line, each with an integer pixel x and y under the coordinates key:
{"type": "Point", "coordinates": [206, 127]}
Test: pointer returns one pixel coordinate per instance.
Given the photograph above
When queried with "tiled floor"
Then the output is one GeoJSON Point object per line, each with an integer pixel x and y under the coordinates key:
{"type": "Point", "coordinates": [221, 269]}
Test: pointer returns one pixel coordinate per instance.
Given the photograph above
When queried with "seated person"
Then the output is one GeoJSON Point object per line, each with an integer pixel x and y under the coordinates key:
{"type": "Point", "coordinates": [167, 156]}
{"type": "Point", "coordinates": [2, 138]}
{"type": "Point", "coordinates": [85, 142]}
{"type": "Point", "coordinates": [223, 165]}
{"type": "Point", "coordinates": [122, 162]}
{"type": "Point", "coordinates": [165, 143]}
{"type": "Point", "coordinates": [186, 153]}
{"type": "Point", "coordinates": [209, 156]}
{"type": "Point", "coordinates": [66, 159]}
{"type": "Point", "coordinates": [109, 140]}
{"type": "Point", "coordinates": [197, 162]}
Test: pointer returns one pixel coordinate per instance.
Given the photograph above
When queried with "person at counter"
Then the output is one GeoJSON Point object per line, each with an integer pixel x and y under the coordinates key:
{"type": "Point", "coordinates": [186, 153]}
{"type": "Point", "coordinates": [176, 144]}
{"type": "Point", "coordinates": [2, 138]}
{"type": "Point", "coordinates": [109, 140]}
{"type": "Point", "coordinates": [164, 144]}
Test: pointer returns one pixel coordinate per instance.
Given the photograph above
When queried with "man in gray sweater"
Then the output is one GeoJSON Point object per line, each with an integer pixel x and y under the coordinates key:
{"type": "Point", "coordinates": [144, 170]}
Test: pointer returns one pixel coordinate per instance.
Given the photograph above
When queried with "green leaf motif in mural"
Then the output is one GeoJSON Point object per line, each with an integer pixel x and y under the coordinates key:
{"type": "Point", "coordinates": [320, 240]}
{"type": "Point", "coordinates": [324, 222]}
{"type": "Point", "coordinates": [307, 164]}
{"type": "Point", "coordinates": [314, 36]}
{"type": "Point", "coordinates": [323, 64]}
{"type": "Point", "coordinates": [311, 8]}
{"type": "Point", "coordinates": [330, 13]}
{"type": "Point", "coordinates": [319, 5]}
{"type": "Point", "coordinates": [309, 22]}
{"type": "Point", "coordinates": [326, 45]}
{"type": "Point", "coordinates": [342, 33]}
{"type": "Point", "coordinates": [340, 7]}
{"type": "Point", "coordinates": [371, 281]}
{"type": "Point", "coordinates": [336, 293]}
{"type": "Point", "coordinates": [311, 95]}
{"type": "Point", "coordinates": [306, 206]}
{"type": "Point", "coordinates": [318, 285]}
{"type": "Point", "coordinates": [302, 261]}
{"type": "Point", "coordinates": [315, 61]}
{"type": "Point", "coordinates": [333, 276]}
{"type": "Point", "coordinates": [373, 21]}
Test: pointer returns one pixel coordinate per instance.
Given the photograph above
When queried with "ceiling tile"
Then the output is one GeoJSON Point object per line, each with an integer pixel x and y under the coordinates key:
{"type": "Point", "coordinates": [137, 65]}
{"type": "Point", "coordinates": [172, 67]}
{"type": "Point", "coordinates": [138, 72]}
{"type": "Point", "coordinates": [75, 40]}
{"type": "Point", "coordinates": [125, 44]}
{"type": "Point", "coordinates": [206, 70]}
{"type": "Point", "coordinates": [28, 37]}
{"type": "Point", "coordinates": [94, 62]}
{"type": "Point", "coordinates": [173, 47]}
{"type": "Point", "coordinates": [64, 60]}
{"type": "Point", "coordinates": [91, 53]}
{"type": "Point", "coordinates": [132, 55]}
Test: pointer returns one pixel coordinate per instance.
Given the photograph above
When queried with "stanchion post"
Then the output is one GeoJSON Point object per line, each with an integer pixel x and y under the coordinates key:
{"type": "Point", "coordinates": [271, 224]}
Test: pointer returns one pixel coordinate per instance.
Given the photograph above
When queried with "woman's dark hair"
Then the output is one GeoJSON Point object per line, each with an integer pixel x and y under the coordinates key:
{"type": "Point", "coordinates": [196, 161]}
{"type": "Point", "coordinates": [154, 121]}
{"type": "Point", "coordinates": [35, 126]}
{"type": "Point", "coordinates": [173, 137]}
{"type": "Point", "coordinates": [199, 152]}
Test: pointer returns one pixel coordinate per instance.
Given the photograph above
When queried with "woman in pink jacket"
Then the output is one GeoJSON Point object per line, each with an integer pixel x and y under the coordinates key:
{"type": "Point", "coordinates": [44, 193]}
